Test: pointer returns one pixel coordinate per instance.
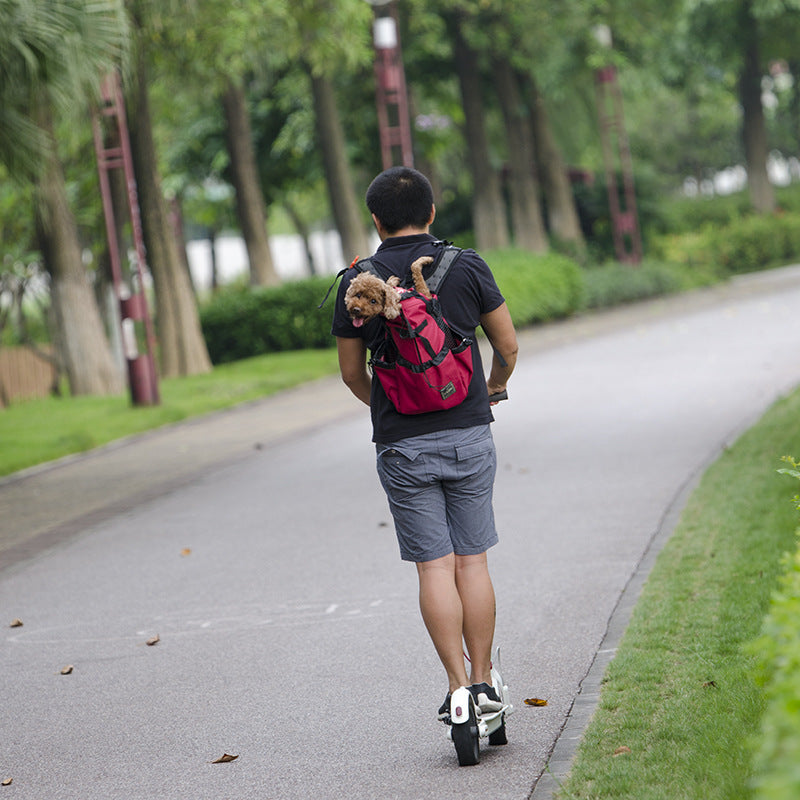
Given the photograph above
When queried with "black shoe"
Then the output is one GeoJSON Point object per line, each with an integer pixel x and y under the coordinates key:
{"type": "Point", "coordinates": [444, 711]}
{"type": "Point", "coordinates": [486, 697]}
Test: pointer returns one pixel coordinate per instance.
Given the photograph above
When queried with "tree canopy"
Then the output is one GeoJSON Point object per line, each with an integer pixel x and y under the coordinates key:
{"type": "Point", "coordinates": [706, 84]}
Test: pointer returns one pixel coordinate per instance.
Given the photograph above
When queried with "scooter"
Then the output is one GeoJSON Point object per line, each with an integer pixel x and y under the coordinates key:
{"type": "Point", "coordinates": [467, 725]}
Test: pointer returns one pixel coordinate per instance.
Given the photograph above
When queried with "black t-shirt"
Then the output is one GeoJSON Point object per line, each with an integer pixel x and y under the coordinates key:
{"type": "Point", "coordinates": [468, 291]}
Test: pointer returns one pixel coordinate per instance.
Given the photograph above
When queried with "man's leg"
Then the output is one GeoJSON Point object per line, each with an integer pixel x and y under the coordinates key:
{"type": "Point", "coordinates": [443, 614]}
{"type": "Point", "coordinates": [474, 586]}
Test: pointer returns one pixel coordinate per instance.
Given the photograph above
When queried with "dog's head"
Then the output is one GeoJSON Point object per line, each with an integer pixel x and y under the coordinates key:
{"type": "Point", "coordinates": [367, 296]}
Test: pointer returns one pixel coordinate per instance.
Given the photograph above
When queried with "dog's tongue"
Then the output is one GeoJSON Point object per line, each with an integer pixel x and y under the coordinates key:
{"type": "Point", "coordinates": [358, 322]}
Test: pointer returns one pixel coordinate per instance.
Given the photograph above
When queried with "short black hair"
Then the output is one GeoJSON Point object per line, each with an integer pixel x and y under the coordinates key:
{"type": "Point", "coordinates": [400, 197]}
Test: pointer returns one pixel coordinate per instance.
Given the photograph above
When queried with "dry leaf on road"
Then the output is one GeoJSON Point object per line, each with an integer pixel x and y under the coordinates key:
{"type": "Point", "coordinates": [6, 782]}
{"type": "Point", "coordinates": [224, 759]}
{"type": "Point", "coordinates": [153, 640]}
{"type": "Point", "coordinates": [67, 670]}
{"type": "Point", "coordinates": [535, 701]}
{"type": "Point", "coordinates": [15, 623]}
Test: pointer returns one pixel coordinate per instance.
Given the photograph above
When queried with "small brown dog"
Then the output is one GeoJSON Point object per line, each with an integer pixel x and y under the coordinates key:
{"type": "Point", "coordinates": [367, 296]}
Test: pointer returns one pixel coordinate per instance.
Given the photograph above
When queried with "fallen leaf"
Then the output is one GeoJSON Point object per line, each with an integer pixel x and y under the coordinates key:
{"type": "Point", "coordinates": [186, 551]}
{"type": "Point", "coordinates": [535, 701]}
{"type": "Point", "coordinates": [67, 670]}
{"type": "Point", "coordinates": [621, 751]}
{"type": "Point", "coordinates": [153, 640]}
{"type": "Point", "coordinates": [224, 759]}
{"type": "Point", "coordinates": [6, 782]}
{"type": "Point", "coordinates": [15, 623]}
{"type": "Point", "coordinates": [710, 685]}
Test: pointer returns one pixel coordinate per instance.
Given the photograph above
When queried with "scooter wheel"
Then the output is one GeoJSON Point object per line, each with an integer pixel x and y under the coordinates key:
{"type": "Point", "coordinates": [467, 740]}
{"type": "Point", "coordinates": [499, 736]}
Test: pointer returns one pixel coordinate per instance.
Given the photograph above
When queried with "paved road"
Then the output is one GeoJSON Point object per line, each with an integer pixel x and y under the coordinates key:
{"type": "Point", "coordinates": [257, 545]}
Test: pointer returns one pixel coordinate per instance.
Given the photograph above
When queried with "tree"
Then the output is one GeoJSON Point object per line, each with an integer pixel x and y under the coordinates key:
{"type": "Point", "coordinates": [53, 54]}
{"type": "Point", "coordinates": [330, 137]}
{"type": "Point", "coordinates": [227, 45]}
{"type": "Point", "coordinates": [523, 184]}
{"type": "Point", "coordinates": [182, 347]}
{"type": "Point", "coordinates": [495, 46]}
{"type": "Point", "coordinates": [721, 42]}
{"type": "Point", "coordinates": [489, 213]}
{"type": "Point", "coordinates": [250, 204]}
{"type": "Point", "coordinates": [322, 36]}
{"type": "Point", "coordinates": [562, 214]}
{"type": "Point", "coordinates": [524, 34]}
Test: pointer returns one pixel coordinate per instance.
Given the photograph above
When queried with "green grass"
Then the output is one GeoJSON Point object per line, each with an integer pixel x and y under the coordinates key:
{"type": "Point", "coordinates": [36, 431]}
{"type": "Point", "coordinates": [681, 691]}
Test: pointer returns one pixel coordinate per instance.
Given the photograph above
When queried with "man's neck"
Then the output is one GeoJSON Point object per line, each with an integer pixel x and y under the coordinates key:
{"type": "Point", "coordinates": [403, 232]}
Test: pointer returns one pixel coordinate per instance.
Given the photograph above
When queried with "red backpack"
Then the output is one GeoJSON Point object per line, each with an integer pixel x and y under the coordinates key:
{"type": "Point", "coordinates": [422, 363]}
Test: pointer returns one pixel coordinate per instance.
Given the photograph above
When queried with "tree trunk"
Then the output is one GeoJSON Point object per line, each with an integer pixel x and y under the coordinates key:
{"type": "Point", "coordinates": [182, 347]}
{"type": "Point", "coordinates": [754, 130]}
{"type": "Point", "coordinates": [250, 205]}
{"type": "Point", "coordinates": [526, 211]}
{"type": "Point", "coordinates": [562, 214]}
{"type": "Point", "coordinates": [212, 244]}
{"type": "Point", "coordinates": [344, 205]}
{"type": "Point", "coordinates": [488, 207]}
{"type": "Point", "coordinates": [84, 348]}
{"type": "Point", "coordinates": [303, 232]}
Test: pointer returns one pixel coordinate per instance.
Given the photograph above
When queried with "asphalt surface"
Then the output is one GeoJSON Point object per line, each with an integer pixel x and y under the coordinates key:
{"type": "Point", "coordinates": [257, 545]}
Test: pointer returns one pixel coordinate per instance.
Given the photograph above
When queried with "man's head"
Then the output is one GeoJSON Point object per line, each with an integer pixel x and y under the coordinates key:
{"type": "Point", "coordinates": [400, 198]}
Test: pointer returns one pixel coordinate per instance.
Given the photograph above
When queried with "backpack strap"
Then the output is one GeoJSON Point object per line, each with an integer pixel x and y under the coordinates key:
{"type": "Point", "coordinates": [434, 274]}
{"type": "Point", "coordinates": [366, 265]}
{"type": "Point", "coordinates": [442, 266]}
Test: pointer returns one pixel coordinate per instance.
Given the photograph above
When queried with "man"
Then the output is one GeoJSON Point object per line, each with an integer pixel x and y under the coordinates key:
{"type": "Point", "coordinates": [437, 468]}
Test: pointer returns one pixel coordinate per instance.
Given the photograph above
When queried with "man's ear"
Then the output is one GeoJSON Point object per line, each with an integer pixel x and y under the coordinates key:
{"type": "Point", "coordinates": [433, 214]}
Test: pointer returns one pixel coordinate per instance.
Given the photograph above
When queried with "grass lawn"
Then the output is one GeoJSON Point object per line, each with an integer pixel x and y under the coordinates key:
{"type": "Point", "coordinates": [36, 431]}
{"type": "Point", "coordinates": [680, 694]}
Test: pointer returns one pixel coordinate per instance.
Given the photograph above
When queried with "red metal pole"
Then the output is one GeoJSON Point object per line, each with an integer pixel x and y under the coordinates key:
{"type": "Point", "coordinates": [142, 376]}
{"type": "Point", "coordinates": [391, 95]}
{"type": "Point", "coordinates": [624, 221]}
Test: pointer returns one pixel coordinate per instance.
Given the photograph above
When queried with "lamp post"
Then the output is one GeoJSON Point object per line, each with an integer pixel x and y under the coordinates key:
{"type": "Point", "coordinates": [136, 324]}
{"type": "Point", "coordinates": [622, 205]}
{"type": "Point", "coordinates": [391, 96]}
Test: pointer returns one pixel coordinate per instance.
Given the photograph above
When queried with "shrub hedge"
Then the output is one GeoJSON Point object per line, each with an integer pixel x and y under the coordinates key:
{"type": "Point", "coordinates": [776, 767]}
{"type": "Point", "coordinates": [538, 288]}
{"type": "Point", "coordinates": [242, 322]}
{"type": "Point", "coordinates": [613, 284]}
{"type": "Point", "coordinates": [746, 244]}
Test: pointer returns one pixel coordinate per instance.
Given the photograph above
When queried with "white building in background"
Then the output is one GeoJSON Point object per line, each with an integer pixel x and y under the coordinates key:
{"type": "Point", "coordinates": [288, 255]}
{"type": "Point", "coordinates": [781, 171]}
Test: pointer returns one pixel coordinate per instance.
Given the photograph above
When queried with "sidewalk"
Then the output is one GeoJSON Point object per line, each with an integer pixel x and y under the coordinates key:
{"type": "Point", "coordinates": [44, 505]}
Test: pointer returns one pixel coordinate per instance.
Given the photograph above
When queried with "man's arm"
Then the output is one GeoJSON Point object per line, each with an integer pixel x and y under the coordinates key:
{"type": "Point", "coordinates": [500, 331]}
{"type": "Point", "coordinates": [353, 366]}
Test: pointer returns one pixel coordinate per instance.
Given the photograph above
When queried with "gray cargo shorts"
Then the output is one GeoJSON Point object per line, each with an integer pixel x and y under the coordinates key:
{"type": "Point", "coordinates": [439, 486]}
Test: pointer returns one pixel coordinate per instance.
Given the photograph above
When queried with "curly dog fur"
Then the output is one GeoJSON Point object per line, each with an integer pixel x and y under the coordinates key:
{"type": "Point", "coordinates": [367, 296]}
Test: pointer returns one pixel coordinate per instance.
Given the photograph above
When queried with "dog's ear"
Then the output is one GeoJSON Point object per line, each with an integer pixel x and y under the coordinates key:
{"type": "Point", "coordinates": [391, 303]}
